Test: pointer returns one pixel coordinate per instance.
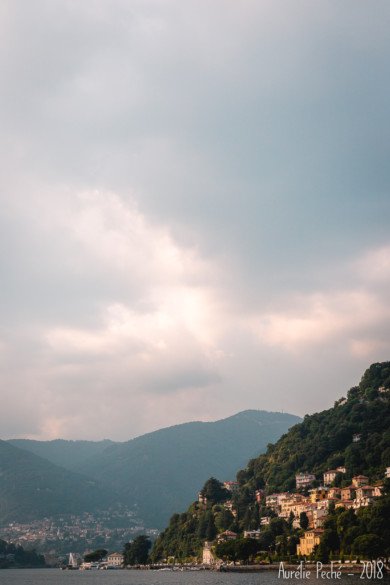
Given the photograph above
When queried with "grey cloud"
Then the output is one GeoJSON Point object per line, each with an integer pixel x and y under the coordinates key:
{"type": "Point", "coordinates": [254, 133]}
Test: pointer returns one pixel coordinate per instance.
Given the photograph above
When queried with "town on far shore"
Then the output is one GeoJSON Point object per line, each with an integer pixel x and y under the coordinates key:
{"type": "Point", "coordinates": [307, 507]}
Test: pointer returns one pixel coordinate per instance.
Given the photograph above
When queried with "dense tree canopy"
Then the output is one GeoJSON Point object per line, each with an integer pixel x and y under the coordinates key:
{"type": "Point", "coordinates": [95, 556]}
{"type": "Point", "coordinates": [137, 551]}
{"type": "Point", "coordinates": [12, 555]}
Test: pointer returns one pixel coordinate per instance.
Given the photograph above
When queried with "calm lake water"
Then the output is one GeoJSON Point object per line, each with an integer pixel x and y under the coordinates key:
{"type": "Point", "coordinates": [57, 577]}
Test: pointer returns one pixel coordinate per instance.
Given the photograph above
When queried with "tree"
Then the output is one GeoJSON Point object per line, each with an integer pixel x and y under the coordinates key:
{"type": "Point", "coordinates": [303, 521]}
{"type": "Point", "coordinates": [211, 531]}
{"type": "Point", "coordinates": [349, 537]}
{"type": "Point", "coordinates": [226, 551]}
{"type": "Point", "coordinates": [202, 526]}
{"type": "Point", "coordinates": [214, 491]}
{"type": "Point", "coordinates": [246, 548]}
{"type": "Point", "coordinates": [266, 539]}
{"type": "Point", "coordinates": [329, 542]}
{"type": "Point", "coordinates": [95, 556]}
{"type": "Point", "coordinates": [241, 549]}
{"type": "Point", "coordinates": [224, 520]}
{"type": "Point", "coordinates": [137, 552]}
{"type": "Point", "coordinates": [369, 545]}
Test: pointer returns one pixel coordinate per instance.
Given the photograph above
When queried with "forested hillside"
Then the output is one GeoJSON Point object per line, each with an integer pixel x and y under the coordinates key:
{"type": "Point", "coordinates": [354, 433]}
{"type": "Point", "coordinates": [325, 440]}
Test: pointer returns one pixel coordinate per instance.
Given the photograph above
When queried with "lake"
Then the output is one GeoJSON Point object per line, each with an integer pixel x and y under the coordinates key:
{"type": "Point", "coordinates": [57, 577]}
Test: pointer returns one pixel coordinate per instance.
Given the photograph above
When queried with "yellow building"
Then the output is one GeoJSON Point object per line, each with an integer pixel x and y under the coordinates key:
{"type": "Point", "coordinates": [348, 493]}
{"type": "Point", "coordinates": [318, 494]}
{"type": "Point", "coordinates": [308, 541]}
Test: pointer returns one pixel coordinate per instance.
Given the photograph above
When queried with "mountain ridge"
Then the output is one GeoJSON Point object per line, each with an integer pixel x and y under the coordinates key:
{"type": "Point", "coordinates": [162, 469]}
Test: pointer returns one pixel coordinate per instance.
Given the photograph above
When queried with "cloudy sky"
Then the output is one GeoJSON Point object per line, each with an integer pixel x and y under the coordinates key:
{"type": "Point", "coordinates": [195, 209]}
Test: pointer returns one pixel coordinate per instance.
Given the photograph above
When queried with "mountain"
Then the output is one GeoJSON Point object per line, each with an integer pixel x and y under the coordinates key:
{"type": "Point", "coordinates": [161, 471]}
{"type": "Point", "coordinates": [32, 487]}
{"type": "Point", "coordinates": [68, 454]}
{"type": "Point", "coordinates": [355, 434]}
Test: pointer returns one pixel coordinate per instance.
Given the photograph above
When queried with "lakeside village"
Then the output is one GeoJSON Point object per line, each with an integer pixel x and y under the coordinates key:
{"type": "Point", "coordinates": [306, 508]}
{"type": "Point", "coordinates": [81, 534]}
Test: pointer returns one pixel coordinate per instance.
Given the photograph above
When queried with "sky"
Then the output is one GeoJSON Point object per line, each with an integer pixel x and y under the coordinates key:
{"type": "Point", "coordinates": [194, 210]}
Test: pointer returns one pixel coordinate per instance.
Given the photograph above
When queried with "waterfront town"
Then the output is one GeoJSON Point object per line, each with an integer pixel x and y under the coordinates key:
{"type": "Point", "coordinates": [79, 534]}
{"type": "Point", "coordinates": [312, 502]}
{"type": "Point", "coordinates": [72, 541]}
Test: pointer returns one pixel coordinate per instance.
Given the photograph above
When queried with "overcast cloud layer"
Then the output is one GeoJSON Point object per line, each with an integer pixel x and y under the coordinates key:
{"type": "Point", "coordinates": [194, 209]}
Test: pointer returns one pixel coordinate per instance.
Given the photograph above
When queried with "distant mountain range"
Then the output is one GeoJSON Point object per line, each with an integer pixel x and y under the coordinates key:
{"type": "Point", "coordinates": [69, 454]}
{"type": "Point", "coordinates": [32, 487]}
{"type": "Point", "coordinates": [156, 473]}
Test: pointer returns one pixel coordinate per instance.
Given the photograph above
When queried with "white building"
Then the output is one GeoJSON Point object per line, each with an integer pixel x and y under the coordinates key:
{"type": "Point", "coordinates": [331, 474]}
{"type": "Point", "coordinates": [303, 480]}
{"type": "Point", "coordinates": [252, 534]}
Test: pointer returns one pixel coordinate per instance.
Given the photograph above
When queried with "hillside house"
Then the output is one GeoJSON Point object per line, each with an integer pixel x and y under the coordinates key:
{"type": "Point", "coordinates": [359, 480]}
{"type": "Point", "coordinates": [333, 493]}
{"type": "Point", "coordinates": [344, 504]}
{"type": "Point", "coordinates": [227, 535]}
{"type": "Point", "coordinates": [318, 494]}
{"type": "Point", "coordinates": [331, 474]}
{"type": "Point", "coordinates": [308, 541]}
{"type": "Point", "coordinates": [255, 534]}
{"type": "Point", "coordinates": [319, 516]}
{"type": "Point", "coordinates": [304, 480]}
{"type": "Point", "coordinates": [348, 493]}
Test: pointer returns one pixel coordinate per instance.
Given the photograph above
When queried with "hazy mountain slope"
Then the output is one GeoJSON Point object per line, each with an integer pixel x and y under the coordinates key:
{"type": "Point", "coordinates": [68, 454]}
{"type": "Point", "coordinates": [32, 487]}
{"type": "Point", "coordinates": [163, 470]}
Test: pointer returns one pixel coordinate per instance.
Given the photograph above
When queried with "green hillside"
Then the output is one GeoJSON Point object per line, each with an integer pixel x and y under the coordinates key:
{"type": "Point", "coordinates": [32, 487]}
{"type": "Point", "coordinates": [320, 442]}
{"type": "Point", "coordinates": [325, 440]}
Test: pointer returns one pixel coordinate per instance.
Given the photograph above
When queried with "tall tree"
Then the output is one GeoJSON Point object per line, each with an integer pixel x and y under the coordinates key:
{"type": "Point", "coordinates": [137, 551]}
